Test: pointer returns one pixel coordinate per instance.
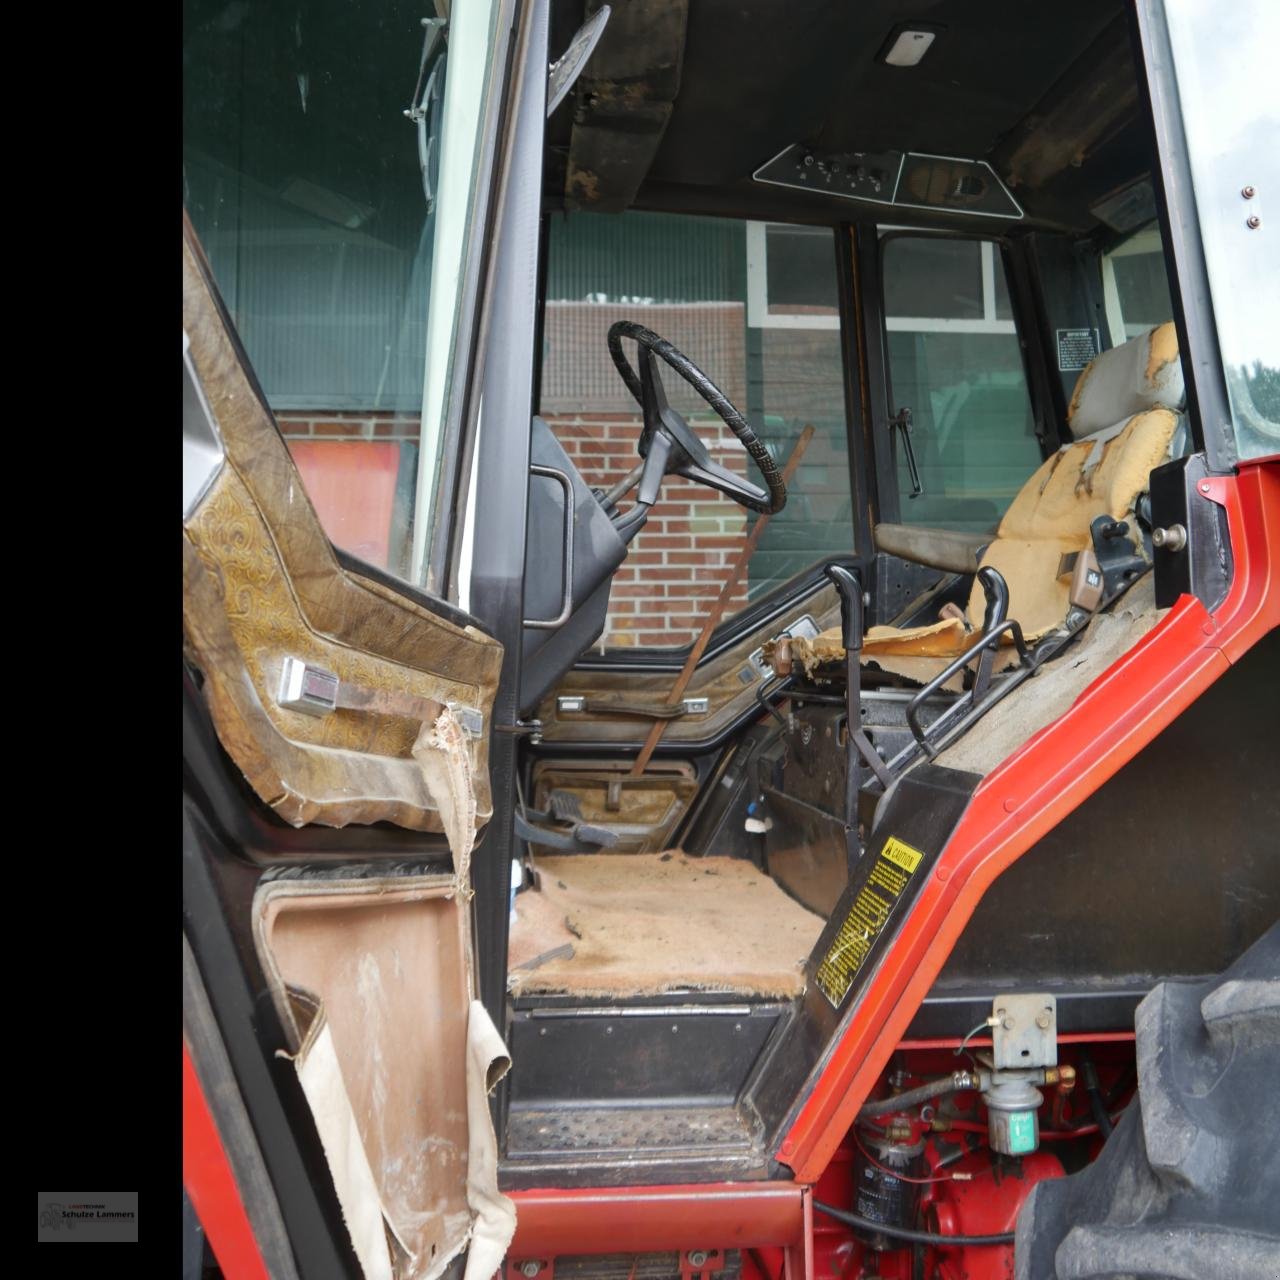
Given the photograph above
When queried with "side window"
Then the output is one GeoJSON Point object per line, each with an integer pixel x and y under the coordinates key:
{"type": "Point", "coordinates": [302, 179]}
{"type": "Point", "coordinates": [956, 363]}
{"type": "Point", "coordinates": [755, 305]}
{"type": "Point", "coordinates": [1135, 286]}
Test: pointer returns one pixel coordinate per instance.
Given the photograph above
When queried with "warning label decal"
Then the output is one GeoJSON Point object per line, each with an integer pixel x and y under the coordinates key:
{"type": "Point", "coordinates": [1076, 347]}
{"type": "Point", "coordinates": [890, 874]}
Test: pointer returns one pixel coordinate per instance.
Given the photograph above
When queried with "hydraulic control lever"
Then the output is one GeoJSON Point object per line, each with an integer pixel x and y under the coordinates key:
{"type": "Point", "coordinates": [860, 755]}
{"type": "Point", "coordinates": [996, 592]}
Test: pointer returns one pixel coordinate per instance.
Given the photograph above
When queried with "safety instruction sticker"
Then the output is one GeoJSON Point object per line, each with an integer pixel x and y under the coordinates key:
{"type": "Point", "coordinates": [890, 874]}
{"type": "Point", "coordinates": [1076, 347]}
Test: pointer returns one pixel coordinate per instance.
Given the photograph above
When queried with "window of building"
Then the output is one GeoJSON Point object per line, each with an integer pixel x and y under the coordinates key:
{"type": "Point", "coordinates": [755, 306]}
{"type": "Point", "coordinates": [955, 361]}
{"type": "Point", "coordinates": [302, 179]}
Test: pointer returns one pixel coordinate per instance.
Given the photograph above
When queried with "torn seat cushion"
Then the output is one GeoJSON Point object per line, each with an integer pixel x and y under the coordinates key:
{"type": "Point", "coordinates": [1103, 471]}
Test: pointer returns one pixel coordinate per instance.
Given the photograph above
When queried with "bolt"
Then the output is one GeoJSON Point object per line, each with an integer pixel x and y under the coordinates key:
{"type": "Point", "coordinates": [1248, 193]}
{"type": "Point", "coordinates": [697, 1257]}
{"type": "Point", "coordinates": [1253, 222]}
{"type": "Point", "coordinates": [530, 1268]}
{"type": "Point", "coordinates": [1204, 487]}
{"type": "Point", "coordinates": [1042, 1021]}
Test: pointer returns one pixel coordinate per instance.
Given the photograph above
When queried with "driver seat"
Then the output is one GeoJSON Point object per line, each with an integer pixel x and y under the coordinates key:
{"type": "Point", "coordinates": [1125, 419]}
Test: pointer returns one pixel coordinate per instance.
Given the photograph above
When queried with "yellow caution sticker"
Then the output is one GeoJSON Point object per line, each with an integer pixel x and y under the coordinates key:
{"type": "Point", "coordinates": [901, 853]}
{"type": "Point", "coordinates": [890, 874]}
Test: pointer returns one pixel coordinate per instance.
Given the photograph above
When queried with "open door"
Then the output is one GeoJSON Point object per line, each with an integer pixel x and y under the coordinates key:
{"type": "Point", "coordinates": [343, 701]}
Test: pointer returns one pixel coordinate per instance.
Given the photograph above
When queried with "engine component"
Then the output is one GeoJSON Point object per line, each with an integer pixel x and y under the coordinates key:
{"type": "Point", "coordinates": [886, 1189]}
{"type": "Point", "coordinates": [1024, 1042]}
{"type": "Point", "coordinates": [1013, 1127]}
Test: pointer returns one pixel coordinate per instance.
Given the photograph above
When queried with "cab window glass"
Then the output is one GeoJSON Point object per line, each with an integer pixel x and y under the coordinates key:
{"type": "Point", "coordinates": [755, 305]}
{"type": "Point", "coordinates": [1135, 286]}
{"type": "Point", "coordinates": [1231, 148]}
{"type": "Point", "coordinates": [956, 363]}
{"type": "Point", "coordinates": [302, 179]}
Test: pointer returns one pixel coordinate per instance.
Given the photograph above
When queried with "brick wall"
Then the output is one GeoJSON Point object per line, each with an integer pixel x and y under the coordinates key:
{"type": "Point", "coordinates": [323, 424]}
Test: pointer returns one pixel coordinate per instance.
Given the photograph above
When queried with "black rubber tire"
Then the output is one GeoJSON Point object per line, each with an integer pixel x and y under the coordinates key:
{"type": "Point", "coordinates": [1188, 1185]}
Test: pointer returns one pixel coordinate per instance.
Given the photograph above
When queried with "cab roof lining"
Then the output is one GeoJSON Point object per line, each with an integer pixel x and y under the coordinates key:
{"type": "Point", "coordinates": [1047, 94]}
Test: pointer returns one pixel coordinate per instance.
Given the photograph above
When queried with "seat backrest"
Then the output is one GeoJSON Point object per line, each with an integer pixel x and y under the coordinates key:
{"type": "Point", "coordinates": [1124, 417]}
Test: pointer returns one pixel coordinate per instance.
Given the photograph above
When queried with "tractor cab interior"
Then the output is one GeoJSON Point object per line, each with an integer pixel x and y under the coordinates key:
{"type": "Point", "coordinates": [857, 357]}
{"type": "Point", "coordinates": [860, 449]}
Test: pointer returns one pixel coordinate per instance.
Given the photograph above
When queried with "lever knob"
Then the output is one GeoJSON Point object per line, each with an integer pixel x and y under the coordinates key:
{"type": "Point", "coordinates": [849, 586]}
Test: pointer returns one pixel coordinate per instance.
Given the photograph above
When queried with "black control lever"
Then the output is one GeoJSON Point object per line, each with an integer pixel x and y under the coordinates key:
{"type": "Point", "coordinates": [860, 755]}
{"type": "Point", "coordinates": [996, 591]}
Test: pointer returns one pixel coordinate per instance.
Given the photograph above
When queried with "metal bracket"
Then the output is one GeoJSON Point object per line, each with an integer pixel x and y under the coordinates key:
{"type": "Point", "coordinates": [1026, 1032]}
{"type": "Point", "coordinates": [576, 704]}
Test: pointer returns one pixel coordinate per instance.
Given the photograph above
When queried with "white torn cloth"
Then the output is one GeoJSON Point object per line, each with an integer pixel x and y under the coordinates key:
{"type": "Point", "coordinates": [320, 1075]}
{"type": "Point", "coordinates": [444, 756]}
{"type": "Point", "coordinates": [493, 1214]}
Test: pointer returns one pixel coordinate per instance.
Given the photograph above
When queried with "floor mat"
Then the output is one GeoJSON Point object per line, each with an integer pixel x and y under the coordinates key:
{"type": "Point", "coordinates": [642, 924]}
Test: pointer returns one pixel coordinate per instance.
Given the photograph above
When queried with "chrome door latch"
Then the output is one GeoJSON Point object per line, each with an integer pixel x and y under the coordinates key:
{"type": "Point", "coordinates": [311, 690]}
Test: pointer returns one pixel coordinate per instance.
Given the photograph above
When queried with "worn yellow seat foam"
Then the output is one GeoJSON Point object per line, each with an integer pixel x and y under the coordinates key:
{"type": "Point", "coordinates": [1103, 473]}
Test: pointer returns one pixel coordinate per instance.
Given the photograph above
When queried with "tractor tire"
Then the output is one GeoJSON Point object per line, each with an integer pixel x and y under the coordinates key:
{"type": "Point", "coordinates": [1188, 1184]}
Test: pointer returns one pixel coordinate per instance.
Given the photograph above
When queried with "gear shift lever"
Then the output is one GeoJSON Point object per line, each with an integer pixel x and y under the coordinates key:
{"type": "Point", "coordinates": [849, 585]}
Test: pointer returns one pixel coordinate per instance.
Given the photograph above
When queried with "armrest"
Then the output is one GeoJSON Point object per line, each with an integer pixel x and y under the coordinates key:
{"type": "Point", "coordinates": [939, 548]}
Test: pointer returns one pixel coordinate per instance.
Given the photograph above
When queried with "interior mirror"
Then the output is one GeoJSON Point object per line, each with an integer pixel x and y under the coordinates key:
{"type": "Point", "coordinates": [566, 69]}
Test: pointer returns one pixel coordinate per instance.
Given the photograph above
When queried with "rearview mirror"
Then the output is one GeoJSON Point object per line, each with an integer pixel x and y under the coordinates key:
{"type": "Point", "coordinates": [565, 70]}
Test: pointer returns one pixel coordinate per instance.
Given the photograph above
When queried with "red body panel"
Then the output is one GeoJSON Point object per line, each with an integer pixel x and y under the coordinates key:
{"type": "Point", "coordinates": [211, 1186]}
{"type": "Point", "coordinates": [632, 1219]}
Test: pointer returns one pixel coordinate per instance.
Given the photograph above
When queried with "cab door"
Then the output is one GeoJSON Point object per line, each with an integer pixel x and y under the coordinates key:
{"type": "Point", "coordinates": [340, 168]}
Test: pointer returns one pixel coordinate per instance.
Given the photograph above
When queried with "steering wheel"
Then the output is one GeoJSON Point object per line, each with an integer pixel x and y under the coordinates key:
{"type": "Point", "coordinates": [668, 444]}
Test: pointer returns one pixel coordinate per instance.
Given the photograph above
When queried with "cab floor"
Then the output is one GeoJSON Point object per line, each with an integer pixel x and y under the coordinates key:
{"type": "Point", "coordinates": [619, 925]}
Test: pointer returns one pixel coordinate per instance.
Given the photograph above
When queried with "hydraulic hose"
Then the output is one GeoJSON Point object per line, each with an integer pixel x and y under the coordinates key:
{"type": "Point", "coordinates": [905, 1233]}
{"type": "Point", "coordinates": [953, 1083]}
{"type": "Point", "coordinates": [1096, 1105]}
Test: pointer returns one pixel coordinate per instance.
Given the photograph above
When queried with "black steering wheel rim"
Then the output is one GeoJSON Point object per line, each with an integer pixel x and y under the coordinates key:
{"type": "Point", "coordinates": [774, 496]}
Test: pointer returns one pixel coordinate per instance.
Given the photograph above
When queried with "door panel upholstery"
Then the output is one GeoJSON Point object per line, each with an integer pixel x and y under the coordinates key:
{"type": "Point", "coordinates": [262, 583]}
